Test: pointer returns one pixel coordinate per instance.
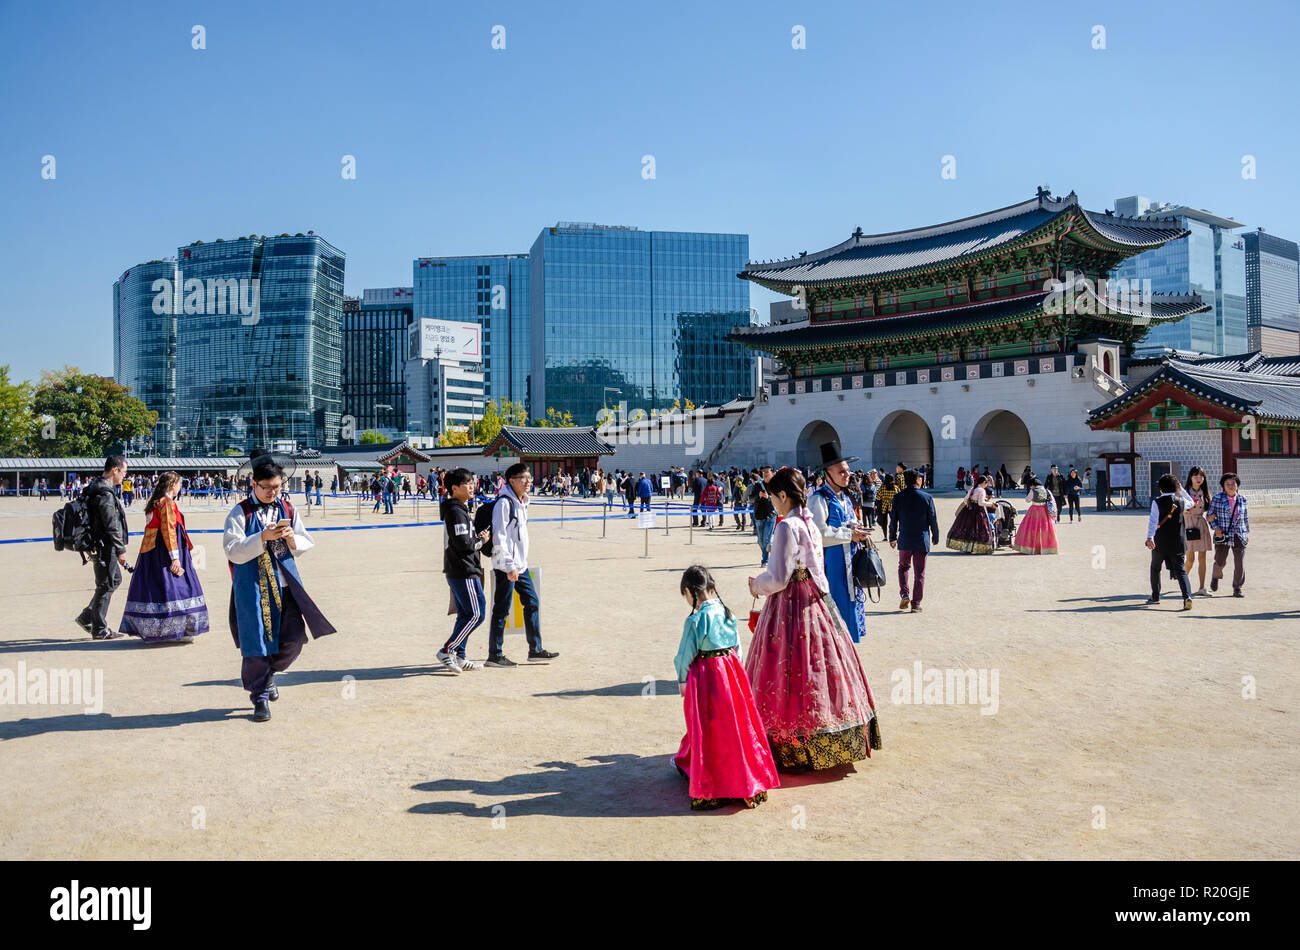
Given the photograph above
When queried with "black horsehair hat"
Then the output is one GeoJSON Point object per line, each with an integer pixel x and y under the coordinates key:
{"type": "Point", "coordinates": [831, 455]}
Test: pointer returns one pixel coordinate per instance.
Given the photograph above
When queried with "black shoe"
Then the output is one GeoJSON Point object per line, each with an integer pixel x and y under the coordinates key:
{"type": "Point", "coordinates": [1153, 600]}
{"type": "Point", "coordinates": [273, 692]}
{"type": "Point", "coordinates": [1238, 593]}
{"type": "Point", "coordinates": [542, 655]}
{"type": "Point", "coordinates": [108, 635]}
{"type": "Point", "coordinates": [502, 661]}
{"type": "Point", "coordinates": [261, 711]}
{"type": "Point", "coordinates": [84, 625]}
{"type": "Point", "coordinates": [1214, 584]}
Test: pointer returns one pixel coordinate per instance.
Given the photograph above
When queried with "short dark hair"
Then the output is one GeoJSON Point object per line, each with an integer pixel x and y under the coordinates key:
{"type": "Point", "coordinates": [514, 471]}
{"type": "Point", "coordinates": [910, 476]}
{"type": "Point", "coordinates": [457, 476]}
{"type": "Point", "coordinates": [1223, 479]}
{"type": "Point", "coordinates": [265, 467]}
{"type": "Point", "coordinates": [114, 461]}
{"type": "Point", "coordinates": [1168, 483]}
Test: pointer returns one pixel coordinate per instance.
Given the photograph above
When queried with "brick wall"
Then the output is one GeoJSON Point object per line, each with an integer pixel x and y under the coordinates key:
{"type": "Point", "coordinates": [1270, 482]}
{"type": "Point", "coordinates": [1195, 447]}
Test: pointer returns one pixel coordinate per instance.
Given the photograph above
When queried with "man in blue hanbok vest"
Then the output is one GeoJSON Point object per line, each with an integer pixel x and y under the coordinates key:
{"type": "Point", "coordinates": [842, 533]}
{"type": "Point", "coordinates": [270, 612]}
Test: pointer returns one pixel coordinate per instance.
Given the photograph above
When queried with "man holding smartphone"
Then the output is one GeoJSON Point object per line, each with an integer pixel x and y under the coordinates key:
{"type": "Point", "coordinates": [270, 612]}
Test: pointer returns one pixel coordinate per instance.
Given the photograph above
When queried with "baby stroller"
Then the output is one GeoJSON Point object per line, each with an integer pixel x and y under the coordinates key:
{"type": "Point", "coordinates": [1004, 524]}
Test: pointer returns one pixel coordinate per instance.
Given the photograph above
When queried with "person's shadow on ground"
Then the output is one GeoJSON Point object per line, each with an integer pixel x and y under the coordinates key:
{"type": "Point", "coordinates": [660, 688]}
{"type": "Point", "coordinates": [78, 722]}
{"type": "Point", "coordinates": [621, 786]}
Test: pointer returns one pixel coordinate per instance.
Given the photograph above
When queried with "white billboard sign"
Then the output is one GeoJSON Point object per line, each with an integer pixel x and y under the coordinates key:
{"type": "Point", "coordinates": [445, 339]}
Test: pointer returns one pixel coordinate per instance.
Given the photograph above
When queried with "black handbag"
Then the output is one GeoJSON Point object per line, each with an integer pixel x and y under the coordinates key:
{"type": "Point", "coordinates": [1193, 534]}
{"type": "Point", "coordinates": [869, 570]}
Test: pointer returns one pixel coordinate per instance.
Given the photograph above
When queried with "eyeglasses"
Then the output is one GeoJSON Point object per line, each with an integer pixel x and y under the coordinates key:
{"type": "Point", "coordinates": [272, 489]}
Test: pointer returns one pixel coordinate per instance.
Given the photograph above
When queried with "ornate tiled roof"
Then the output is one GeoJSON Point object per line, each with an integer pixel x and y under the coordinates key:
{"type": "Point", "coordinates": [1163, 308]}
{"type": "Point", "coordinates": [535, 441]}
{"type": "Point", "coordinates": [876, 256]}
{"type": "Point", "coordinates": [1265, 396]}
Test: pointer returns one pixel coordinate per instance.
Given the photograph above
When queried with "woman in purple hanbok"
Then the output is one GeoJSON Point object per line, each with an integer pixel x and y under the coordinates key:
{"type": "Point", "coordinates": [165, 600]}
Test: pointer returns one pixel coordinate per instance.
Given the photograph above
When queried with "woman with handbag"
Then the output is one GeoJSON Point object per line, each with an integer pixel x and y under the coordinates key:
{"type": "Point", "coordinates": [972, 531]}
{"type": "Point", "coordinates": [1037, 532]}
{"type": "Point", "coordinates": [807, 681]}
{"type": "Point", "coordinates": [1196, 525]}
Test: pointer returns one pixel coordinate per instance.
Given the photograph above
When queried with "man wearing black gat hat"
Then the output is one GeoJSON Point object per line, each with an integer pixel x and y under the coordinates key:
{"type": "Point", "coordinates": [842, 534]}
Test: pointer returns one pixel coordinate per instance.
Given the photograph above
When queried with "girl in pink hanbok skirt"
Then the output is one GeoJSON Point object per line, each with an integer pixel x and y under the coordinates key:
{"type": "Point", "coordinates": [808, 683]}
{"type": "Point", "coordinates": [724, 754]}
{"type": "Point", "coordinates": [1037, 532]}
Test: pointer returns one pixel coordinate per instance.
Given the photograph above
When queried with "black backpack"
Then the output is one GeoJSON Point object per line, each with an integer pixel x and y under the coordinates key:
{"type": "Point", "coordinates": [71, 525]}
{"type": "Point", "coordinates": [483, 520]}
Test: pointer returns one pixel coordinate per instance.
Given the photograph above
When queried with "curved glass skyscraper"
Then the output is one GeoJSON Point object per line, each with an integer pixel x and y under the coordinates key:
{"type": "Point", "coordinates": [144, 341]}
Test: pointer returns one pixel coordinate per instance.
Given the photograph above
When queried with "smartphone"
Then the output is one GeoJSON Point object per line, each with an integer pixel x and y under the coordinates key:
{"type": "Point", "coordinates": [282, 523]}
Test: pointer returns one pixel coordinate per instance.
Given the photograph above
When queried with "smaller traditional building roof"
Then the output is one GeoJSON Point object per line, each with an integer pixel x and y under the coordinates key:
{"type": "Point", "coordinates": [1267, 397]}
{"type": "Point", "coordinates": [367, 456]}
{"type": "Point", "coordinates": [1255, 362]}
{"type": "Point", "coordinates": [550, 442]}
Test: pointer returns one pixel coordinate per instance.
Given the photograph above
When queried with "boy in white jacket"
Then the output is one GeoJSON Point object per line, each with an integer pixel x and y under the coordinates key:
{"type": "Point", "coordinates": [510, 568]}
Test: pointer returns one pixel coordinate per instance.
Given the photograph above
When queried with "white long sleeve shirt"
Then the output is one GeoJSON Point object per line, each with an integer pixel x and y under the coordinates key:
{"type": "Point", "coordinates": [795, 542]}
{"type": "Point", "coordinates": [820, 512]}
{"type": "Point", "coordinates": [510, 533]}
{"type": "Point", "coordinates": [1153, 521]}
{"type": "Point", "coordinates": [241, 547]}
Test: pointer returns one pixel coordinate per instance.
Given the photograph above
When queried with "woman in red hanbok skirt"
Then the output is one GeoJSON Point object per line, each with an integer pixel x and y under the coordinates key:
{"type": "Point", "coordinates": [724, 754]}
{"type": "Point", "coordinates": [1037, 531]}
{"type": "Point", "coordinates": [808, 683]}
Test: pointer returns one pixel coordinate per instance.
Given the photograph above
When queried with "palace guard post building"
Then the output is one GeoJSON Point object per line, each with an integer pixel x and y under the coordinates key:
{"type": "Point", "coordinates": [985, 340]}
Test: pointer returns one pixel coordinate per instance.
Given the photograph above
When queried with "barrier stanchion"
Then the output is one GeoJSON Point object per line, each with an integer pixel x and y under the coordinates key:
{"type": "Point", "coordinates": [561, 511]}
{"type": "Point", "coordinates": [666, 532]}
{"type": "Point", "coordinates": [691, 538]}
{"type": "Point", "coordinates": [604, 515]}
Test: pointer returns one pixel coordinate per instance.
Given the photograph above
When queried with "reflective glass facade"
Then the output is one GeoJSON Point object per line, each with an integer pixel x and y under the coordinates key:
{"type": "Point", "coordinates": [245, 380]}
{"type": "Point", "coordinates": [643, 312]}
{"type": "Point", "coordinates": [374, 356]}
{"type": "Point", "coordinates": [144, 343]}
{"type": "Point", "coordinates": [492, 291]}
{"type": "Point", "coordinates": [1273, 291]}
{"type": "Point", "coordinates": [1211, 262]}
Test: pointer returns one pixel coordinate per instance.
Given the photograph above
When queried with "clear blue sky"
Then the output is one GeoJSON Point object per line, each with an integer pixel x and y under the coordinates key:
{"type": "Point", "coordinates": [462, 149]}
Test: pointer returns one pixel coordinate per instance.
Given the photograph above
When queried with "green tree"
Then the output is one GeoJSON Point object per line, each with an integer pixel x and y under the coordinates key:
{"type": "Point", "coordinates": [371, 437]}
{"type": "Point", "coordinates": [17, 426]}
{"type": "Point", "coordinates": [91, 415]}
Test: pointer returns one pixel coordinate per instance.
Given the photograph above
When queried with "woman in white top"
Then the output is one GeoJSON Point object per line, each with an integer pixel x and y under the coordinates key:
{"type": "Point", "coordinates": [808, 683]}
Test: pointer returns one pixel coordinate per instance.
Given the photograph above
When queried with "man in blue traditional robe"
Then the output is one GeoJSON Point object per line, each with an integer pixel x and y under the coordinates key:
{"type": "Point", "coordinates": [270, 612]}
{"type": "Point", "coordinates": [842, 534]}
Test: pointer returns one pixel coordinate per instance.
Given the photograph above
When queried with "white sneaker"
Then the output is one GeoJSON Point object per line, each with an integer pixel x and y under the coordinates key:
{"type": "Point", "coordinates": [450, 661]}
{"type": "Point", "coordinates": [469, 664]}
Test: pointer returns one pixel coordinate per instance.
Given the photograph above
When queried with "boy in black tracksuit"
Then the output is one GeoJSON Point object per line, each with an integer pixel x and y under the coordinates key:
{"type": "Point", "coordinates": [461, 565]}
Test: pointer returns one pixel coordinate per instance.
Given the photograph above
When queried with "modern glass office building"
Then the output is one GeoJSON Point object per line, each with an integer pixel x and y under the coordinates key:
{"type": "Point", "coordinates": [1272, 294]}
{"type": "Point", "coordinates": [493, 292]}
{"type": "Point", "coordinates": [259, 343]}
{"type": "Point", "coordinates": [144, 342]}
{"type": "Point", "coordinates": [619, 314]}
{"type": "Point", "coordinates": [1211, 262]}
{"type": "Point", "coordinates": [374, 356]}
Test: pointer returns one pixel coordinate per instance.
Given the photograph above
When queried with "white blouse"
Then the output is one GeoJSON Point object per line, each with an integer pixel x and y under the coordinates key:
{"type": "Point", "coordinates": [796, 541]}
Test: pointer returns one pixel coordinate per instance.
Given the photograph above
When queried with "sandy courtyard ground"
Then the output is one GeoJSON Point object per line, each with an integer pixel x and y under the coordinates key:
{"type": "Point", "coordinates": [1120, 731]}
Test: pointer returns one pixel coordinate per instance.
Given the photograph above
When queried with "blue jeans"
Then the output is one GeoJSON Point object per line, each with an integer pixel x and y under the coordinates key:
{"type": "Point", "coordinates": [388, 503]}
{"type": "Point", "coordinates": [502, 597]}
{"type": "Point", "coordinates": [766, 526]}
{"type": "Point", "coordinates": [470, 605]}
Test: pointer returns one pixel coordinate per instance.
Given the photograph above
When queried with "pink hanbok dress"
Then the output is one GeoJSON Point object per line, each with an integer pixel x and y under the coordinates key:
{"type": "Point", "coordinates": [807, 681]}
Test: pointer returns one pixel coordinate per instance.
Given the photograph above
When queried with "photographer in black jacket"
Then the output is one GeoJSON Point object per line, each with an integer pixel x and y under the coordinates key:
{"type": "Point", "coordinates": [108, 531]}
{"type": "Point", "coordinates": [462, 567]}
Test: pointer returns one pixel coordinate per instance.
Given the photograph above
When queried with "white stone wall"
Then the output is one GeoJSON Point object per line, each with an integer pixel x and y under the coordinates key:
{"type": "Point", "coordinates": [1268, 482]}
{"type": "Point", "coordinates": [655, 448]}
{"type": "Point", "coordinates": [1054, 410]}
{"type": "Point", "coordinates": [1203, 447]}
